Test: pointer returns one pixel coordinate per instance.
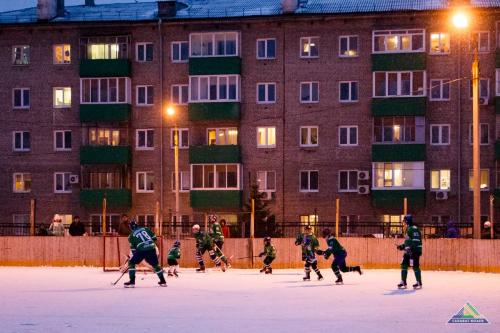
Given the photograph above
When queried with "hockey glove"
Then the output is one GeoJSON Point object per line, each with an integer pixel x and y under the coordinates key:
{"type": "Point", "coordinates": [320, 252]}
{"type": "Point", "coordinates": [401, 247]}
{"type": "Point", "coordinates": [326, 255]}
{"type": "Point", "coordinates": [261, 254]}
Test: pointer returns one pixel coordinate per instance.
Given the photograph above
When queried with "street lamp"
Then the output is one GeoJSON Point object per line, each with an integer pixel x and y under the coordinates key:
{"type": "Point", "coordinates": [171, 113]}
{"type": "Point", "coordinates": [461, 21]}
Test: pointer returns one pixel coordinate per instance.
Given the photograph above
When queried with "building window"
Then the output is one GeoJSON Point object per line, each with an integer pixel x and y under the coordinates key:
{"type": "Point", "coordinates": [498, 81]}
{"type": "Point", "coordinates": [309, 181]}
{"type": "Point", "coordinates": [222, 136]}
{"type": "Point", "coordinates": [105, 90]}
{"type": "Point", "coordinates": [62, 97]}
{"type": "Point", "coordinates": [348, 181]}
{"type": "Point", "coordinates": [62, 54]}
{"type": "Point", "coordinates": [183, 138]}
{"type": "Point", "coordinates": [440, 43]}
{"type": "Point", "coordinates": [21, 141]}
{"type": "Point", "coordinates": [184, 181]}
{"type": "Point", "coordinates": [309, 92]}
{"type": "Point", "coordinates": [214, 88]}
{"type": "Point", "coordinates": [440, 90]}
{"type": "Point", "coordinates": [144, 139]}
{"type": "Point", "coordinates": [147, 220]}
{"type": "Point", "coordinates": [398, 175]}
{"type": "Point", "coordinates": [481, 40]}
{"type": "Point", "coordinates": [266, 137]}
{"type": "Point", "coordinates": [484, 134]}
{"type": "Point", "coordinates": [61, 182]}
{"type": "Point", "coordinates": [106, 137]}
{"type": "Point", "coordinates": [266, 48]}
{"type": "Point", "coordinates": [348, 46]}
{"type": "Point", "coordinates": [21, 219]}
{"type": "Point", "coordinates": [145, 95]}
{"type": "Point", "coordinates": [145, 182]}
{"type": "Point", "coordinates": [440, 180]}
{"type": "Point", "coordinates": [348, 91]}
{"type": "Point", "coordinates": [484, 90]}
{"type": "Point", "coordinates": [484, 179]}
{"type": "Point", "coordinates": [212, 44]}
{"type": "Point", "coordinates": [309, 136]}
{"type": "Point", "coordinates": [180, 51]}
{"type": "Point", "coordinates": [215, 176]}
{"type": "Point", "coordinates": [179, 94]}
{"type": "Point", "coordinates": [98, 180]}
{"type": "Point", "coordinates": [104, 47]}
{"type": "Point", "coordinates": [398, 41]}
{"type": "Point", "coordinates": [440, 135]}
{"type": "Point", "coordinates": [266, 180]}
{"type": "Point", "coordinates": [62, 141]}
{"type": "Point", "coordinates": [21, 55]}
{"type": "Point", "coordinates": [348, 135]}
{"type": "Point", "coordinates": [309, 47]}
{"type": "Point", "coordinates": [144, 52]}
{"type": "Point", "coordinates": [22, 182]}
{"type": "Point", "coordinates": [21, 98]}
{"type": "Point", "coordinates": [266, 93]}
{"type": "Point", "coordinates": [399, 129]}
{"type": "Point", "coordinates": [395, 84]}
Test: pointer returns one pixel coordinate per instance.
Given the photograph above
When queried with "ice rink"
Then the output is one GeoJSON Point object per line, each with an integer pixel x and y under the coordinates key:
{"type": "Point", "coordinates": [83, 300]}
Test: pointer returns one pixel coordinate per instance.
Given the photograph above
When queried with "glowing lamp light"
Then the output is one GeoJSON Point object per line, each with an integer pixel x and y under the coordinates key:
{"type": "Point", "coordinates": [170, 111]}
{"type": "Point", "coordinates": [460, 20]}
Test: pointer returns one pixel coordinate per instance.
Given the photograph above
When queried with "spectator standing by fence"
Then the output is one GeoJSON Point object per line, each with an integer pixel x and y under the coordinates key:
{"type": "Point", "coordinates": [225, 228]}
{"type": "Point", "coordinates": [124, 227]}
{"type": "Point", "coordinates": [56, 228]}
{"type": "Point", "coordinates": [451, 230]}
{"type": "Point", "coordinates": [76, 227]}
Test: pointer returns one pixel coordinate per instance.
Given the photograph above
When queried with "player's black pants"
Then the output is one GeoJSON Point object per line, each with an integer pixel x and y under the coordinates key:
{"type": "Point", "coordinates": [407, 261]}
{"type": "Point", "coordinates": [150, 257]}
{"type": "Point", "coordinates": [172, 262]}
{"type": "Point", "coordinates": [339, 264]}
{"type": "Point", "coordinates": [211, 253]}
{"type": "Point", "coordinates": [311, 263]}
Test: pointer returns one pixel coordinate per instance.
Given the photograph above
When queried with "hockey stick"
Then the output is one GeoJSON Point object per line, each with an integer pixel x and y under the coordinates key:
{"type": "Point", "coordinates": [227, 258]}
{"type": "Point", "coordinates": [114, 283]}
{"type": "Point", "coordinates": [123, 269]}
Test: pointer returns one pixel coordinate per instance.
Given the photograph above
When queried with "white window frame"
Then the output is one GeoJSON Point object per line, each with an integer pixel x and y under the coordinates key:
{"type": "Point", "coordinates": [309, 190]}
{"type": "Point", "coordinates": [23, 175]}
{"type": "Point", "coordinates": [212, 35]}
{"type": "Point", "coordinates": [24, 47]}
{"type": "Point", "coordinates": [65, 48]}
{"type": "Point", "coordinates": [440, 36]}
{"type": "Point", "coordinates": [217, 130]}
{"type": "Point", "coordinates": [200, 78]}
{"type": "Point", "coordinates": [65, 179]}
{"type": "Point", "coordinates": [183, 188]}
{"type": "Point", "coordinates": [182, 144]}
{"type": "Point", "coordinates": [172, 53]}
{"type": "Point", "coordinates": [266, 41]}
{"type": "Point", "coordinates": [22, 106]}
{"type": "Point", "coordinates": [267, 145]}
{"type": "Point", "coordinates": [308, 40]}
{"type": "Point", "coordinates": [483, 189]}
{"type": "Point", "coordinates": [398, 95]}
{"type": "Point", "coordinates": [482, 79]}
{"type": "Point", "coordinates": [145, 131]}
{"type": "Point", "coordinates": [181, 96]}
{"type": "Point", "coordinates": [65, 90]}
{"type": "Point", "coordinates": [311, 84]}
{"type": "Point", "coordinates": [480, 133]}
{"type": "Point", "coordinates": [22, 149]}
{"type": "Point", "coordinates": [146, 95]}
{"type": "Point", "coordinates": [355, 190]}
{"type": "Point", "coordinates": [128, 87]}
{"type": "Point", "coordinates": [439, 189]}
{"type": "Point", "coordinates": [350, 99]}
{"type": "Point", "coordinates": [418, 176]}
{"type": "Point", "coordinates": [348, 37]}
{"type": "Point", "coordinates": [266, 97]}
{"type": "Point", "coordinates": [349, 143]}
{"type": "Point", "coordinates": [440, 129]}
{"type": "Point", "coordinates": [441, 83]}
{"type": "Point", "coordinates": [398, 32]}
{"type": "Point", "coordinates": [63, 132]}
{"type": "Point", "coordinates": [144, 53]}
{"type": "Point", "coordinates": [479, 48]}
{"type": "Point", "coordinates": [215, 188]}
{"type": "Point", "coordinates": [265, 174]}
{"type": "Point", "coordinates": [309, 136]}
{"type": "Point", "coordinates": [145, 174]}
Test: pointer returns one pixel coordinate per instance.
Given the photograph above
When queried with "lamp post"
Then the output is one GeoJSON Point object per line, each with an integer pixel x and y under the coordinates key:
{"type": "Point", "coordinates": [461, 21]}
{"type": "Point", "coordinates": [175, 217]}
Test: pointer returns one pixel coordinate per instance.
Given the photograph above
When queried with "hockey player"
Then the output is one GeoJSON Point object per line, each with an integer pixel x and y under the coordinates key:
{"type": "Point", "coordinates": [412, 248]}
{"type": "Point", "coordinates": [218, 240]}
{"type": "Point", "coordinates": [143, 246]}
{"type": "Point", "coordinates": [270, 254]}
{"type": "Point", "coordinates": [173, 255]}
{"type": "Point", "coordinates": [310, 248]}
{"type": "Point", "coordinates": [204, 243]}
{"type": "Point", "coordinates": [339, 255]}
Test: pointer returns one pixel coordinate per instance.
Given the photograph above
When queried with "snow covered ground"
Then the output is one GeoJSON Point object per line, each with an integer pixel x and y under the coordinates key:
{"type": "Point", "coordinates": [82, 300]}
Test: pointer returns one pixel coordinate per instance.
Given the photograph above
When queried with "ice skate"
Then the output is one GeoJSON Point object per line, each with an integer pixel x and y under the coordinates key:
{"type": "Point", "coordinates": [417, 285]}
{"type": "Point", "coordinates": [339, 281]}
{"type": "Point", "coordinates": [176, 274]}
{"type": "Point", "coordinates": [320, 277]}
{"type": "Point", "coordinates": [307, 277]}
{"type": "Point", "coordinates": [201, 269]}
{"type": "Point", "coordinates": [402, 285]}
{"type": "Point", "coordinates": [358, 269]}
{"type": "Point", "coordinates": [129, 284]}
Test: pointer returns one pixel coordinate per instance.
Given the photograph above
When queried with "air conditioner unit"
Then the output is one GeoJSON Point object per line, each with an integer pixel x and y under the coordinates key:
{"type": "Point", "coordinates": [483, 101]}
{"type": "Point", "coordinates": [363, 175]}
{"type": "Point", "coordinates": [74, 179]}
{"type": "Point", "coordinates": [268, 195]}
{"type": "Point", "coordinates": [363, 189]}
{"type": "Point", "coordinates": [441, 195]}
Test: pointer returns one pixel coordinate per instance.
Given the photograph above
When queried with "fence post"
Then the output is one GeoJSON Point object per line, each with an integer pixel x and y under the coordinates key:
{"type": "Point", "coordinates": [252, 220]}
{"type": "Point", "coordinates": [405, 206]}
{"type": "Point", "coordinates": [104, 233]}
{"type": "Point", "coordinates": [337, 216]}
{"type": "Point", "coordinates": [157, 218]}
{"type": "Point", "coordinates": [492, 228]}
{"type": "Point", "coordinates": [32, 217]}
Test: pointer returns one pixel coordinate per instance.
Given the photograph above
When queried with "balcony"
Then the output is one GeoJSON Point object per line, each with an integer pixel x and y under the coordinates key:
{"type": "Point", "coordinates": [394, 199]}
{"type": "Point", "coordinates": [215, 154]}
{"type": "Point", "coordinates": [214, 111]}
{"type": "Point", "coordinates": [221, 199]}
{"type": "Point", "coordinates": [115, 198]}
{"type": "Point", "coordinates": [104, 155]}
{"type": "Point", "coordinates": [399, 106]}
{"type": "Point", "coordinates": [399, 62]}
{"type": "Point", "coordinates": [105, 68]}
{"type": "Point", "coordinates": [94, 113]}
{"type": "Point", "coordinates": [214, 65]}
{"type": "Point", "coordinates": [398, 152]}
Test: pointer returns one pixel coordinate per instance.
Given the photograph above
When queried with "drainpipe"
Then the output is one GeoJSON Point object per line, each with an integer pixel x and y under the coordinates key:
{"type": "Point", "coordinates": [161, 117]}
{"type": "Point", "coordinates": [283, 90]}
{"type": "Point", "coordinates": [459, 130]}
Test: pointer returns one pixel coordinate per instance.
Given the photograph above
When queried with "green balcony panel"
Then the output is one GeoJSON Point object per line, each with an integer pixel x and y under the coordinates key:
{"type": "Point", "coordinates": [115, 198]}
{"type": "Point", "coordinates": [105, 155]}
{"type": "Point", "coordinates": [498, 58]}
{"type": "Point", "coordinates": [105, 68]}
{"type": "Point", "coordinates": [215, 154]}
{"type": "Point", "coordinates": [497, 105]}
{"type": "Point", "coordinates": [94, 113]}
{"type": "Point", "coordinates": [215, 199]}
{"type": "Point", "coordinates": [497, 150]}
{"type": "Point", "coordinates": [398, 152]}
{"type": "Point", "coordinates": [394, 199]}
{"type": "Point", "coordinates": [214, 65]}
{"type": "Point", "coordinates": [399, 62]}
{"type": "Point", "coordinates": [399, 106]}
{"type": "Point", "coordinates": [214, 111]}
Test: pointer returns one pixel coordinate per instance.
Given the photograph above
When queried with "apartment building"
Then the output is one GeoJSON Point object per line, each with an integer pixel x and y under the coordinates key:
{"type": "Point", "coordinates": [310, 100]}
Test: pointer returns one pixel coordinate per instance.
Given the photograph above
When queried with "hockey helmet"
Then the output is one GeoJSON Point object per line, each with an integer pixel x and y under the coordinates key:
{"type": "Point", "coordinates": [487, 225]}
{"type": "Point", "coordinates": [408, 219]}
{"type": "Point", "coordinates": [267, 240]}
{"type": "Point", "coordinates": [326, 232]}
{"type": "Point", "coordinates": [196, 228]}
{"type": "Point", "coordinates": [133, 224]}
{"type": "Point", "coordinates": [177, 243]}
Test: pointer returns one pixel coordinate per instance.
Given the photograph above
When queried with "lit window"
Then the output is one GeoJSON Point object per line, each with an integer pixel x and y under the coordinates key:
{"type": "Point", "coordinates": [348, 46]}
{"type": "Point", "coordinates": [309, 47]}
{"type": "Point", "coordinates": [398, 174]}
{"type": "Point", "coordinates": [399, 129]}
{"type": "Point", "coordinates": [22, 182]}
{"type": "Point", "coordinates": [398, 41]}
{"type": "Point", "coordinates": [222, 136]}
{"type": "Point", "coordinates": [440, 180]}
{"type": "Point", "coordinates": [105, 137]}
{"type": "Point", "coordinates": [440, 43]}
{"type": "Point", "coordinates": [62, 54]}
{"type": "Point", "coordinates": [62, 97]}
{"type": "Point", "coordinates": [484, 179]}
{"type": "Point", "coordinates": [266, 137]}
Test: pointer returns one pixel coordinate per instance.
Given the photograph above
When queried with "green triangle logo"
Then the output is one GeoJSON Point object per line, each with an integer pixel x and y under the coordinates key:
{"type": "Point", "coordinates": [468, 314]}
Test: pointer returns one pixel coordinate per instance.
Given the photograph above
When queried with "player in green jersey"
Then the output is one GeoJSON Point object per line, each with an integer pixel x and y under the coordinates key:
{"type": "Point", "coordinates": [269, 254]}
{"type": "Point", "coordinates": [204, 243]}
{"type": "Point", "coordinates": [215, 233]}
{"type": "Point", "coordinates": [173, 255]}
{"type": "Point", "coordinates": [412, 248]}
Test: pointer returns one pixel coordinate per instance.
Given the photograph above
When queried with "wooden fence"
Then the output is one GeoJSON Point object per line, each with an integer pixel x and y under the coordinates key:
{"type": "Point", "coordinates": [439, 254]}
